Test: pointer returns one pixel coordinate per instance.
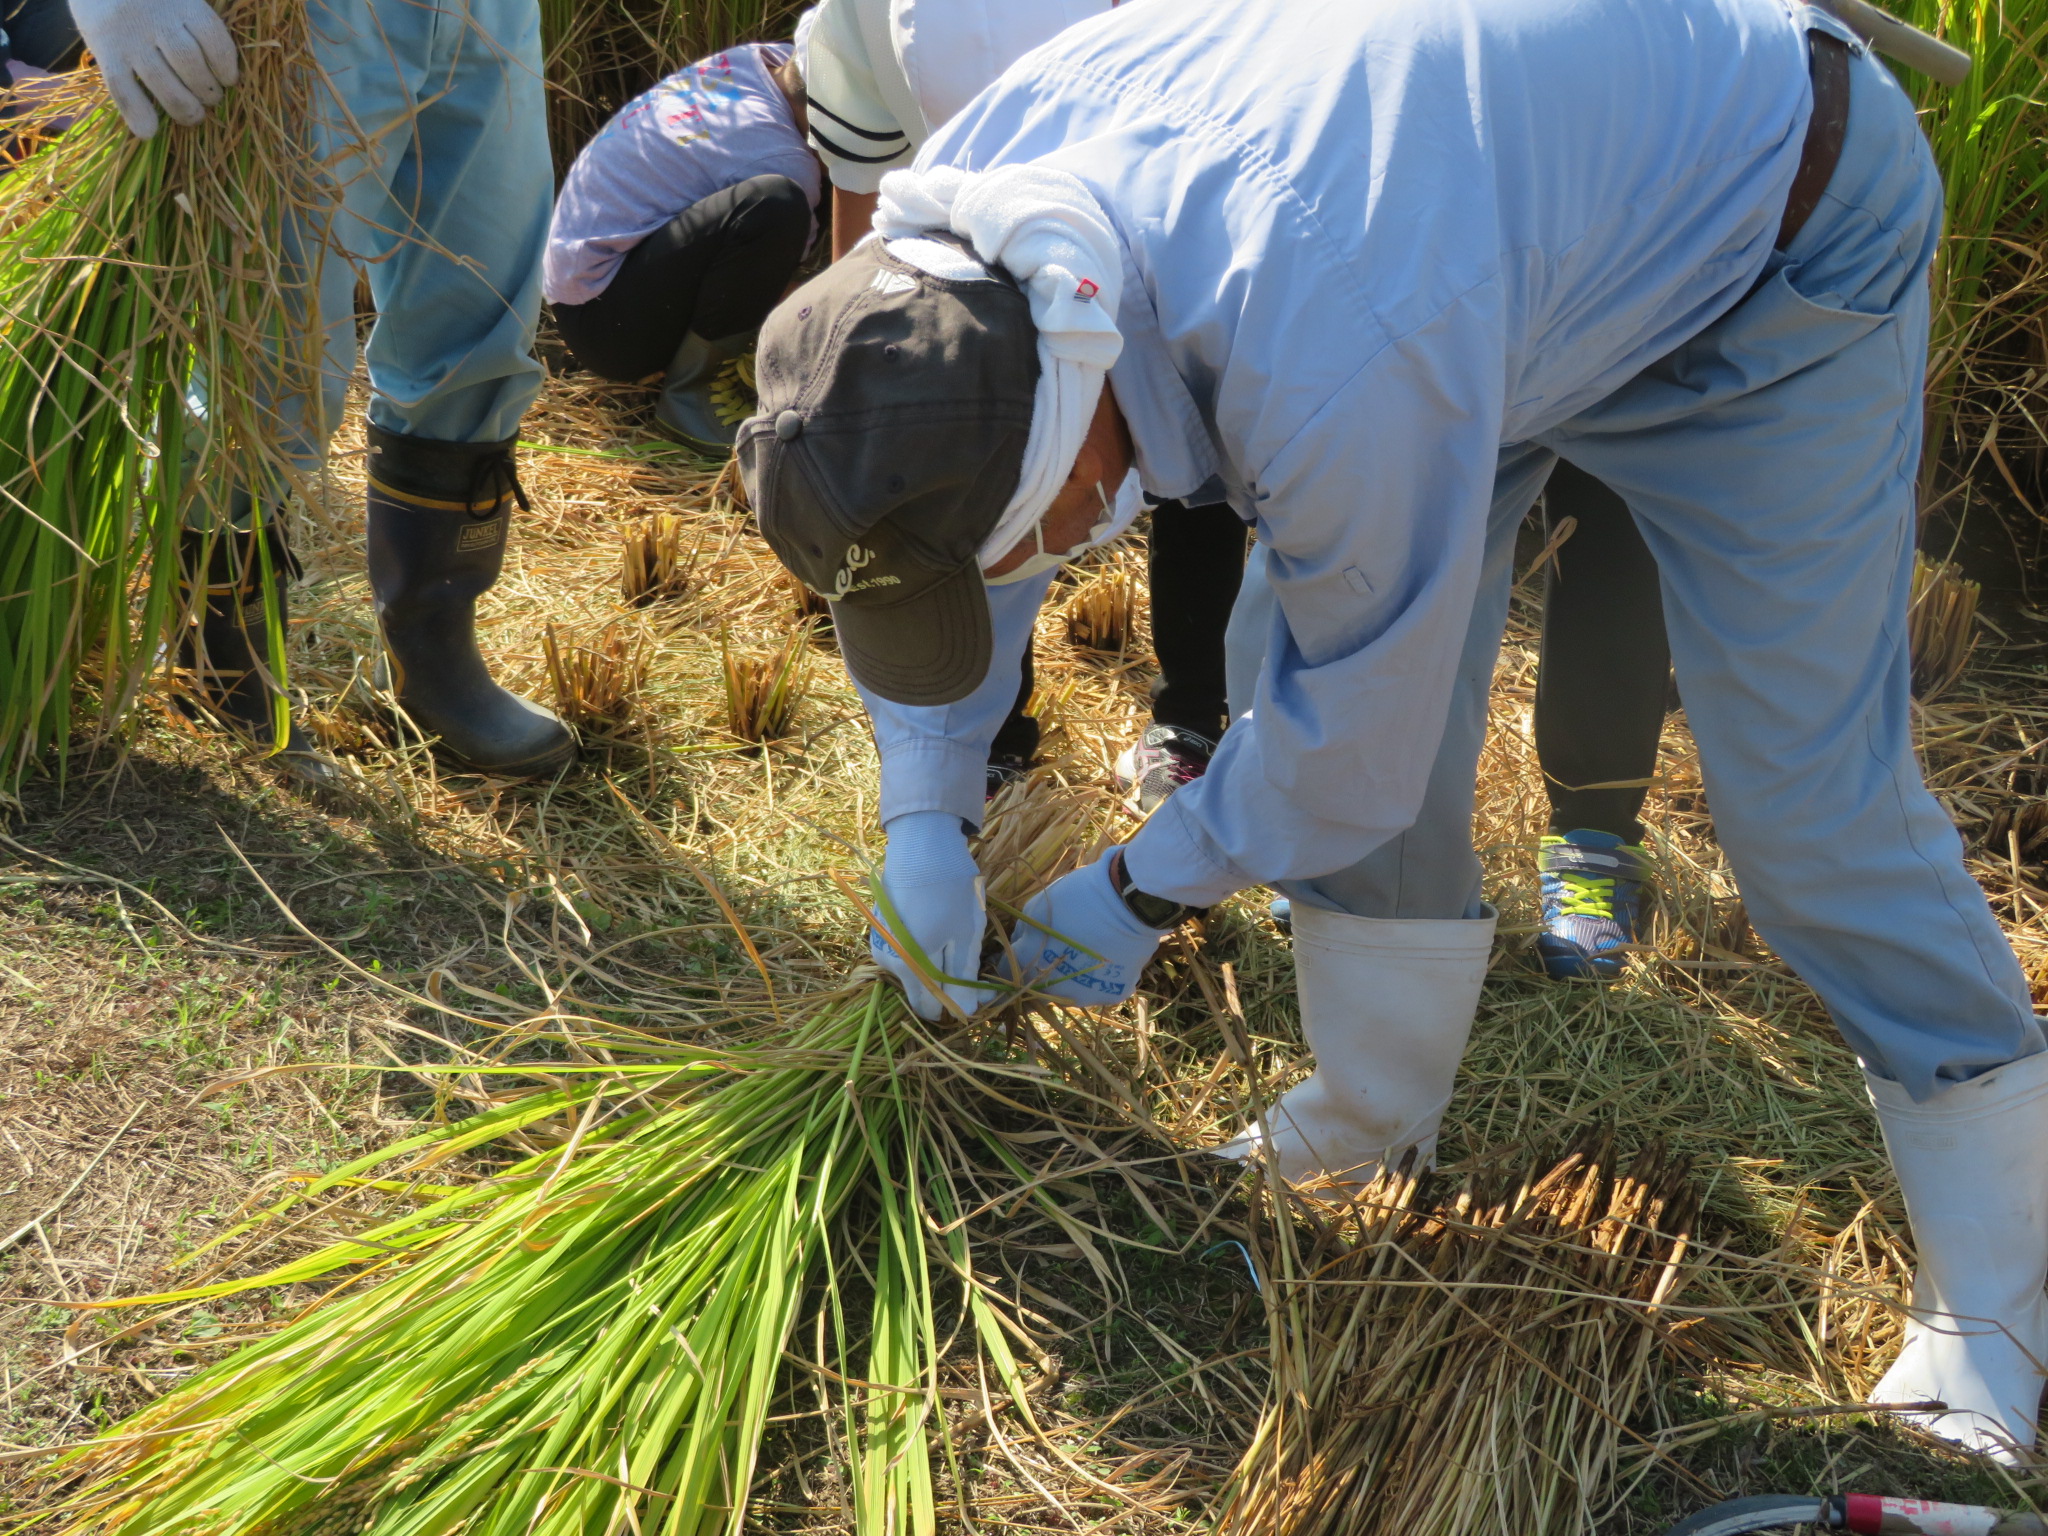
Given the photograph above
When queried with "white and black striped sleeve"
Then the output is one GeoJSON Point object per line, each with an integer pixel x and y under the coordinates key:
{"type": "Point", "coordinates": [853, 127]}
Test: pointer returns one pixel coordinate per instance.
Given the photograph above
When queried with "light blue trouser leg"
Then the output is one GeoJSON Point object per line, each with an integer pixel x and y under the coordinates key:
{"type": "Point", "coordinates": [1430, 870]}
{"type": "Point", "coordinates": [1244, 637]}
{"type": "Point", "coordinates": [433, 128]}
{"type": "Point", "coordinates": [1771, 462]}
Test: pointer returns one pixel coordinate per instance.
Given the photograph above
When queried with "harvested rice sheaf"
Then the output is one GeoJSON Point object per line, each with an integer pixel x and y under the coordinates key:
{"type": "Point", "coordinates": [1465, 1359]}
{"type": "Point", "coordinates": [594, 1339]}
{"type": "Point", "coordinates": [149, 305]}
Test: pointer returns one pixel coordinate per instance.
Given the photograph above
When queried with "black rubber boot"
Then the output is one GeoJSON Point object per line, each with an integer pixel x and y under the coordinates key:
{"type": "Point", "coordinates": [439, 517]}
{"type": "Point", "coordinates": [687, 409]}
{"type": "Point", "coordinates": [223, 650]}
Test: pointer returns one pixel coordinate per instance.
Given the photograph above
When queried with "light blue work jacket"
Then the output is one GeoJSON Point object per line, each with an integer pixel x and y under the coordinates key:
{"type": "Point", "coordinates": [1368, 243]}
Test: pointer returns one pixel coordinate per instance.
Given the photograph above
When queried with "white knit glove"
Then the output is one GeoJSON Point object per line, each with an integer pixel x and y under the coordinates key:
{"type": "Point", "coordinates": [177, 51]}
{"type": "Point", "coordinates": [1078, 942]}
{"type": "Point", "coordinates": [933, 906]}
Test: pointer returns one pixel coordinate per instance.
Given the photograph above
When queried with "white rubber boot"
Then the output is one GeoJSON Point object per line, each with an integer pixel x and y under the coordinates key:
{"type": "Point", "coordinates": [1387, 1006]}
{"type": "Point", "coordinates": [1973, 1165]}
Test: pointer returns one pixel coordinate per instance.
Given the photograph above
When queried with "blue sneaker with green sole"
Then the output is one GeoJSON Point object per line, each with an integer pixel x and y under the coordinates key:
{"type": "Point", "coordinates": [1592, 904]}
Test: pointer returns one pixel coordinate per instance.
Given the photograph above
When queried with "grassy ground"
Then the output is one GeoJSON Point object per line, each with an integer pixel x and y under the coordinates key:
{"type": "Point", "coordinates": [209, 983]}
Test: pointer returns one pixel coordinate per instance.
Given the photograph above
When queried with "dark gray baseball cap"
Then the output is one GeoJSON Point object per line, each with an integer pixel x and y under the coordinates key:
{"type": "Point", "coordinates": [895, 407]}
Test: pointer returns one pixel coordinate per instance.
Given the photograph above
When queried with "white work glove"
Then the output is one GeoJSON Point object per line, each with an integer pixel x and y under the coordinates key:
{"type": "Point", "coordinates": [933, 905]}
{"type": "Point", "coordinates": [177, 51]}
{"type": "Point", "coordinates": [1078, 942]}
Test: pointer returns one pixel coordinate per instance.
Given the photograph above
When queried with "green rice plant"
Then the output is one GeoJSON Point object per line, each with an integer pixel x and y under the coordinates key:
{"type": "Point", "coordinates": [1990, 138]}
{"type": "Point", "coordinates": [595, 1338]}
{"type": "Point", "coordinates": [137, 270]}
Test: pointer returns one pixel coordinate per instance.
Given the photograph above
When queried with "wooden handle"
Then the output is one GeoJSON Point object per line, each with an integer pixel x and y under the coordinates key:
{"type": "Point", "coordinates": [1900, 40]}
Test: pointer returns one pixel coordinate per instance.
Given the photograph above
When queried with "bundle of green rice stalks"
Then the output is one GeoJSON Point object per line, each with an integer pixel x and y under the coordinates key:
{"type": "Point", "coordinates": [1448, 1361]}
{"type": "Point", "coordinates": [597, 1337]}
{"type": "Point", "coordinates": [142, 275]}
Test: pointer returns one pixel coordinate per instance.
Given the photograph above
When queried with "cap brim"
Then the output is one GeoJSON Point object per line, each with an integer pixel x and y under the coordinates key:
{"type": "Point", "coordinates": [931, 649]}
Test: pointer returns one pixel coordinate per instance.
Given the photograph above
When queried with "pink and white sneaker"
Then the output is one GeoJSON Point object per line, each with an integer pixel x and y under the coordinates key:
{"type": "Point", "coordinates": [1163, 759]}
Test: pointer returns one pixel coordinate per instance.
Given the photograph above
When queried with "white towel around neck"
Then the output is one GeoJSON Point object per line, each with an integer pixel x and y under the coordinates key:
{"type": "Point", "coordinates": [1046, 230]}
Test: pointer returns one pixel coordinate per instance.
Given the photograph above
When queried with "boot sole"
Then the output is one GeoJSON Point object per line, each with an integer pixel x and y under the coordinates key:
{"type": "Point", "coordinates": [545, 766]}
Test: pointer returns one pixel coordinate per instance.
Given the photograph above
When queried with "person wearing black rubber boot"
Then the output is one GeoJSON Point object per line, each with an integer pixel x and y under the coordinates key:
{"type": "Point", "coordinates": [680, 225]}
{"type": "Point", "coordinates": [428, 121]}
{"type": "Point", "coordinates": [439, 517]}
{"type": "Point", "coordinates": [223, 646]}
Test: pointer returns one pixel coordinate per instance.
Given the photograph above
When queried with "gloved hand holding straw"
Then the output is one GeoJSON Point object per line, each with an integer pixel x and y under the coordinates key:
{"type": "Point", "coordinates": [176, 54]}
{"type": "Point", "coordinates": [932, 904]}
{"type": "Point", "coordinates": [1080, 941]}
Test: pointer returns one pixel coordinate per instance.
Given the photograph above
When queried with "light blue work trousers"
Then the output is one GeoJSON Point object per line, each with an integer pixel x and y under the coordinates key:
{"type": "Point", "coordinates": [432, 128]}
{"type": "Point", "coordinates": [1770, 463]}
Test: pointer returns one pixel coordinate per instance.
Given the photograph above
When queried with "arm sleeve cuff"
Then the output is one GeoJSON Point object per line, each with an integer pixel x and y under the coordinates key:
{"type": "Point", "coordinates": [1172, 857]}
{"type": "Point", "coordinates": [860, 178]}
{"type": "Point", "coordinates": [934, 773]}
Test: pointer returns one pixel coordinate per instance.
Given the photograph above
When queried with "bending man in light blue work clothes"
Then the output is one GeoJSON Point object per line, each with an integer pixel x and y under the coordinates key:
{"type": "Point", "coordinates": [1375, 268]}
{"type": "Point", "coordinates": [430, 127]}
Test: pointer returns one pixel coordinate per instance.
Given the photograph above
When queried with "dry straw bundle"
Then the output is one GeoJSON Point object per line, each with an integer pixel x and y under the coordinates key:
{"type": "Point", "coordinates": [1039, 827]}
{"type": "Point", "coordinates": [1457, 1361]}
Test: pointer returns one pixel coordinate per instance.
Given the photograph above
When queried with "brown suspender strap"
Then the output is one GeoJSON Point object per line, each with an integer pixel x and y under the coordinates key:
{"type": "Point", "coordinates": [1828, 66]}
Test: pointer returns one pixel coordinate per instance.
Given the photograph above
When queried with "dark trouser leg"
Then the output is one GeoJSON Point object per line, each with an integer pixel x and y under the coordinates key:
{"type": "Point", "coordinates": [41, 32]}
{"type": "Point", "coordinates": [1197, 563]}
{"type": "Point", "coordinates": [1605, 666]}
{"type": "Point", "coordinates": [714, 270]}
{"type": "Point", "coordinates": [1017, 737]}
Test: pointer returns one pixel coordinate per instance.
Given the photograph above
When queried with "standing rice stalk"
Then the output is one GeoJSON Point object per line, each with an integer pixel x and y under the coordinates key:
{"type": "Point", "coordinates": [600, 683]}
{"type": "Point", "coordinates": [655, 563]}
{"type": "Point", "coordinates": [1943, 626]}
{"type": "Point", "coordinates": [762, 691]}
{"type": "Point", "coordinates": [1102, 616]}
{"type": "Point", "coordinates": [141, 272]}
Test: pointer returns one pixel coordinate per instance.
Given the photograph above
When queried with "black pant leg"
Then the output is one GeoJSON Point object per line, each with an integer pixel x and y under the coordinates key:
{"type": "Point", "coordinates": [1605, 663]}
{"type": "Point", "coordinates": [716, 268]}
{"type": "Point", "coordinates": [41, 32]}
{"type": "Point", "coordinates": [1017, 737]}
{"type": "Point", "coordinates": [1196, 566]}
